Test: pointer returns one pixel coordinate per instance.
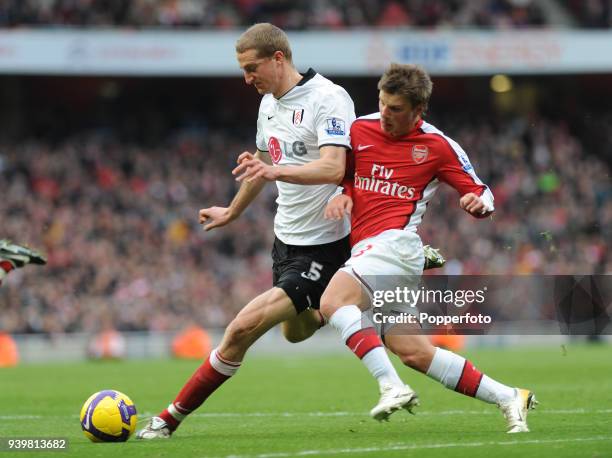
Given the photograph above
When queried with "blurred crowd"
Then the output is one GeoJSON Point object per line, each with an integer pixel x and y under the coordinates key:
{"type": "Point", "coordinates": [553, 203]}
{"type": "Point", "coordinates": [119, 223]}
{"type": "Point", "coordinates": [290, 14]}
{"type": "Point", "coordinates": [596, 14]}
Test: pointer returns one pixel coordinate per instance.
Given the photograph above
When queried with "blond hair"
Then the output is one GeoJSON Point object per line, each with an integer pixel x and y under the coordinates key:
{"type": "Point", "coordinates": [408, 80]}
{"type": "Point", "coordinates": [266, 39]}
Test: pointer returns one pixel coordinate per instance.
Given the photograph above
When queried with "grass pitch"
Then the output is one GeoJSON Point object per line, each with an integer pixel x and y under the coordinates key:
{"type": "Point", "coordinates": [280, 407]}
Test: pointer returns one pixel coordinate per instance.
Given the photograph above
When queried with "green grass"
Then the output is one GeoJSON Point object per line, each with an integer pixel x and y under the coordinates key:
{"type": "Point", "coordinates": [271, 408]}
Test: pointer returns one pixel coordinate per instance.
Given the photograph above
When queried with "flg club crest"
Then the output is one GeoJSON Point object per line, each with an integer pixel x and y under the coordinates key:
{"type": "Point", "coordinates": [298, 115]}
{"type": "Point", "coordinates": [419, 153]}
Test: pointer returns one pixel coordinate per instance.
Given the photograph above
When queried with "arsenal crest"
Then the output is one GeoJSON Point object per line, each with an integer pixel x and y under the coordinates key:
{"type": "Point", "coordinates": [298, 115]}
{"type": "Point", "coordinates": [419, 153]}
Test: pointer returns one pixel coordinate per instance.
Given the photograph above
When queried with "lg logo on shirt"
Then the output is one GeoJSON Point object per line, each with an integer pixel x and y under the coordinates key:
{"type": "Point", "coordinates": [276, 151]}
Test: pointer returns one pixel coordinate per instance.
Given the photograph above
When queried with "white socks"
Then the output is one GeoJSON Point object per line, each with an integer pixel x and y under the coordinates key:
{"type": "Point", "coordinates": [446, 367]}
{"type": "Point", "coordinates": [456, 373]}
{"type": "Point", "coordinates": [494, 392]}
{"type": "Point", "coordinates": [222, 365]}
{"type": "Point", "coordinates": [358, 333]}
{"type": "Point", "coordinates": [347, 321]}
{"type": "Point", "coordinates": [378, 363]}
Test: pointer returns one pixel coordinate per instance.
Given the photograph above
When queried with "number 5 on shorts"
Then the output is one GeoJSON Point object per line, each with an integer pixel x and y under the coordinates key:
{"type": "Point", "coordinates": [315, 271]}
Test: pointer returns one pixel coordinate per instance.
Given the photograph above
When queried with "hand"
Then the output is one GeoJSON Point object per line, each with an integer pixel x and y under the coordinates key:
{"type": "Point", "coordinates": [474, 205]}
{"type": "Point", "coordinates": [250, 168]}
{"type": "Point", "coordinates": [215, 217]}
{"type": "Point", "coordinates": [338, 207]}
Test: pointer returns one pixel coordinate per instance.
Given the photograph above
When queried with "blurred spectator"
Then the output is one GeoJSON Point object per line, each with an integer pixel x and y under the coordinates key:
{"type": "Point", "coordinates": [108, 343]}
{"type": "Point", "coordinates": [300, 14]}
{"type": "Point", "coordinates": [591, 13]}
{"type": "Point", "coordinates": [118, 220]}
{"type": "Point", "coordinates": [192, 342]}
{"type": "Point", "coordinates": [9, 353]}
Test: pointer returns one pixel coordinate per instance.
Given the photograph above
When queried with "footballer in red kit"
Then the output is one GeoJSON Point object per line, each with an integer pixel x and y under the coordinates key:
{"type": "Point", "coordinates": [396, 164]}
{"type": "Point", "coordinates": [391, 182]}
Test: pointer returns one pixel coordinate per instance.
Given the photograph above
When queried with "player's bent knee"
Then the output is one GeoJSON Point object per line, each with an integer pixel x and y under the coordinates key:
{"type": "Point", "coordinates": [342, 290]}
{"type": "Point", "coordinates": [330, 302]}
{"type": "Point", "coordinates": [258, 316]}
{"type": "Point", "coordinates": [239, 330]}
{"type": "Point", "coordinates": [243, 329]}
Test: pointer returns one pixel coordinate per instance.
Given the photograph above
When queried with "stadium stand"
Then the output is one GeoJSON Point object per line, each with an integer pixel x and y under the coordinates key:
{"type": "Point", "coordinates": [116, 170]}
{"type": "Point", "coordinates": [300, 15]}
{"type": "Point", "coordinates": [120, 229]}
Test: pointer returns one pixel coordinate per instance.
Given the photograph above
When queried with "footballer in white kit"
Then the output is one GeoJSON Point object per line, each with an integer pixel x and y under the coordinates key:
{"type": "Point", "coordinates": [302, 137]}
{"type": "Point", "coordinates": [303, 126]}
{"type": "Point", "coordinates": [308, 248]}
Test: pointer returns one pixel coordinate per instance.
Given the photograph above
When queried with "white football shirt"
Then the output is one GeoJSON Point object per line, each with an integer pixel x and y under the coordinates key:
{"type": "Point", "coordinates": [291, 129]}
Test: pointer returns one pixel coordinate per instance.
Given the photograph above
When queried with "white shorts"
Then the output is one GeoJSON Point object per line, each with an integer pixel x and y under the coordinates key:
{"type": "Point", "coordinates": [390, 260]}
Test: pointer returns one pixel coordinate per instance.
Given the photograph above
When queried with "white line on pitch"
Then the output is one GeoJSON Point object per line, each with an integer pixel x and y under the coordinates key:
{"type": "Point", "coordinates": [358, 414]}
{"type": "Point", "coordinates": [403, 447]}
{"type": "Point", "coordinates": [540, 411]}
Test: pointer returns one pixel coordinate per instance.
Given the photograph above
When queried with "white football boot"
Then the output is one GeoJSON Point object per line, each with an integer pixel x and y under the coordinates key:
{"type": "Point", "coordinates": [393, 398]}
{"type": "Point", "coordinates": [155, 429]}
{"type": "Point", "coordinates": [516, 410]}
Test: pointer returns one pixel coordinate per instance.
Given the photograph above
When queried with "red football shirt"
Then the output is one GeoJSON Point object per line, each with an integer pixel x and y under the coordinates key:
{"type": "Point", "coordinates": [391, 180]}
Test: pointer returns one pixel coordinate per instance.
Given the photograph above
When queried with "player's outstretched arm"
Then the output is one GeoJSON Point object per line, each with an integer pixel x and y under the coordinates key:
{"type": "Point", "coordinates": [476, 197]}
{"type": "Point", "coordinates": [213, 217]}
{"type": "Point", "coordinates": [329, 168]}
{"type": "Point", "coordinates": [338, 207]}
{"type": "Point", "coordinates": [475, 205]}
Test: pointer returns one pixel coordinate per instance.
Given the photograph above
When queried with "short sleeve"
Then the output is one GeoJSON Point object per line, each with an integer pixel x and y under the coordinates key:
{"type": "Point", "coordinates": [260, 139]}
{"type": "Point", "coordinates": [335, 114]}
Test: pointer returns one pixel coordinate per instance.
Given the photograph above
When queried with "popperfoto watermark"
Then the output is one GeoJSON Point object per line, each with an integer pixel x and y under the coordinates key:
{"type": "Point", "coordinates": [425, 318]}
{"type": "Point", "coordinates": [404, 298]}
{"type": "Point", "coordinates": [495, 304]}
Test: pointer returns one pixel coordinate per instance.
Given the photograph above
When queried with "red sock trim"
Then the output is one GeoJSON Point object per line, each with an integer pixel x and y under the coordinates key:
{"type": "Point", "coordinates": [227, 361]}
{"type": "Point", "coordinates": [469, 380]}
{"type": "Point", "coordinates": [322, 321]}
{"type": "Point", "coordinates": [205, 380]}
{"type": "Point", "coordinates": [169, 419]}
{"type": "Point", "coordinates": [363, 341]}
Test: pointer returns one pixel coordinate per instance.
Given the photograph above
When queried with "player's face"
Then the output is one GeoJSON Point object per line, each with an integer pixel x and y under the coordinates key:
{"type": "Point", "coordinates": [397, 116]}
{"type": "Point", "coordinates": [261, 72]}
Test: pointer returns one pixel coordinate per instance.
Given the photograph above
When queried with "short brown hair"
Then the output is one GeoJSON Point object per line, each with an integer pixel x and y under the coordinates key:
{"type": "Point", "coordinates": [411, 81]}
{"type": "Point", "coordinates": [266, 39]}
